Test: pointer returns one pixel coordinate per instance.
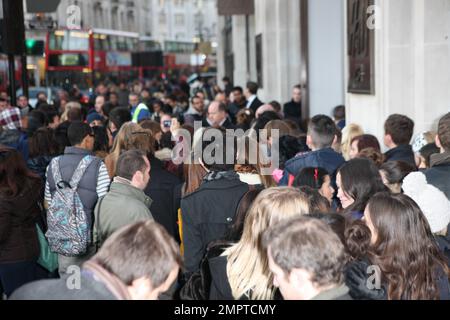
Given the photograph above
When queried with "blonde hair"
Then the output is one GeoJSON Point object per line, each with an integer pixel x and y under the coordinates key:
{"type": "Point", "coordinates": [127, 140]}
{"type": "Point", "coordinates": [69, 106]}
{"type": "Point", "coordinates": [348, 133]}
{"type": "Point", "coordinates": [247, 263]}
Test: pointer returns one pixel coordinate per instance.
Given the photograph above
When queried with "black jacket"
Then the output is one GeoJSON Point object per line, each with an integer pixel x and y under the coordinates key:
{"type": "Point", "coordinates": [198, 286]}
{"type": "Point", "coordinates": [439, 174]}
{"type": "Point", "coordinates": [256, 104]}
{"type": "Point", "coordinates": [401, 153]}
{"type": "Point", "coordinates": [234, 108]}
{"type": "Point", "coordinates": [293, 111]}
{"type": "Point", "coordinates": [220, 286]}
{"type": "Point", "coordinates": [444, 245]}
{"type": "Point", "coordinates": [207, 213]}
{"type": "Point", "coordinates": [161, 190]}
{"type": "Point", "coordinates": [39, 165]}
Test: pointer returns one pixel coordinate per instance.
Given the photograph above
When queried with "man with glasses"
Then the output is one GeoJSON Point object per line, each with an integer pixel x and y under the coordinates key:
{"type": "Point", "coordinates": [93, 185]}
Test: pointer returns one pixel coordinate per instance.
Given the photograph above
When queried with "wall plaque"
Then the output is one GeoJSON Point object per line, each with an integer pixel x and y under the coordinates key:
{"type": "Point", "coordinates": [360, 46]}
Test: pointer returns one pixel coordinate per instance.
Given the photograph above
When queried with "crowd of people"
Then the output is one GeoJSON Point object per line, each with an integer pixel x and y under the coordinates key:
{"type": "Point", "coordinates": [93, 185]}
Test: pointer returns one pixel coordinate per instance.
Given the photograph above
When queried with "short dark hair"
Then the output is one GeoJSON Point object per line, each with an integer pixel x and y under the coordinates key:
{"type": "Point", "coordinates": [129, 163]}
{"type": "Point", "coordinates": [444, 131]}
{"type": "Point", "coordinates": [252, 87]}
{"type": "Point", "coordinates": [237, 88]}
{"type": "Point", "coordinates": [400, 128]}
{"type": "Point", "coordinates": [221, 145]}
{"type": "Point", "coordinates": [276, 105]}
{"type": "Point", "coordinates": [427, 151]}
{"type": "Point", "coordinates": [119, 116]}
{"type": "Point", "coordinates": [141, 250]}
{"type": "Point", "coordinates": [50, 112]}
{"type": "Point", "coordinates": [298, 86]}
{"type": "Point", "coordinates": [78, 131]}
{"type": "Point", "coordinates": [308, 244]}
{"type": "Point", "coordinates": [195, 97]}
{"type": "Point", "coordinates": [322, 130]}
{"type": "Point", "coordinates": [339, 112]}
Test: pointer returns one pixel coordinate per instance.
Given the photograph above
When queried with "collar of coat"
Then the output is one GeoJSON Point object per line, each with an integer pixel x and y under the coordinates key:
{"type": "Point", "coordinates": [113, 283]}
{"type": "Point", "coordinates": [440, 158]}
{"type": "Point", "coordinates": [123, 186]}
{"type": "Point", "coordinates": [333, 294]}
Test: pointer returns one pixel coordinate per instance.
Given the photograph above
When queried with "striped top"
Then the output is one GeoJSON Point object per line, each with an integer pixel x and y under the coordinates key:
{"type": "Point", "coordinates": [103, 182]}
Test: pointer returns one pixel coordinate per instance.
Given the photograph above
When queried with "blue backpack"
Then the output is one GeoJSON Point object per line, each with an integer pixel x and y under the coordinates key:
{"type": "Point", "coordinates": [69, 229]}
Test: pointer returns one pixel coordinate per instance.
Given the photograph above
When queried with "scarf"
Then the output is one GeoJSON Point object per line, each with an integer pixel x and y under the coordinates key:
{"type": "Point", "coordinates": [217, 175]}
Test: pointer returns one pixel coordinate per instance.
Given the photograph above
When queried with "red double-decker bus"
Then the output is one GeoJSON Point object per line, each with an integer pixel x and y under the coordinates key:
{"type": "Point", "coordinates": [86, 57]}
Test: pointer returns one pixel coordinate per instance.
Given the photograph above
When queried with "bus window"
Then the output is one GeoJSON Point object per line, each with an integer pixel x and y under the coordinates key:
{"type": "Point", "coordinates": [69, 40]}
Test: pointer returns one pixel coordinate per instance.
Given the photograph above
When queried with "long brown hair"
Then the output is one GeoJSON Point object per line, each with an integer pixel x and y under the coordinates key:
{"type": "Point", "coordinates": [14, 174]}
{"type": "Point", "coordinates": [244, 165]}
{"type": "Point", "coordinates": [193, 177]}
{"type": "Point", "coordinates": [405, 249]}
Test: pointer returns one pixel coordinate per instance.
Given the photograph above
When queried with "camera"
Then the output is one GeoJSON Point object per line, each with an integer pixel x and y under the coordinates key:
{"type": "Point", "coordinates": [167, 123]}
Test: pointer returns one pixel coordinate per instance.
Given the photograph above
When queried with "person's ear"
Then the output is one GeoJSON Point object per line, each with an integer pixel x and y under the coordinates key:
{"type": "Point", "coordinates": [388, 140]}
{"type": "Point", "coordinates": [300, 279]}
{"type": "Point", "coordinates": [309, 142]}
{"type": "Point", "coordinates": [142, 289]}
{"type": "Point", "coordinates": [438, 142]}
{"type": "Point", "coordinates": [335, 140]}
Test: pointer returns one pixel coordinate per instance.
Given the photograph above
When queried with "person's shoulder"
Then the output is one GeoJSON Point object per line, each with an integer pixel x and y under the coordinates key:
{"type": "Point", "coordinates": [299, 158]}
{"type": "Point", "coordinates": [37, 290]}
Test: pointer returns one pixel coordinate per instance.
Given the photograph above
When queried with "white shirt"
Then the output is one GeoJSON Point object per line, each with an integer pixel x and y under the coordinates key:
{"type": "Point", "coordinates": [250, 101]}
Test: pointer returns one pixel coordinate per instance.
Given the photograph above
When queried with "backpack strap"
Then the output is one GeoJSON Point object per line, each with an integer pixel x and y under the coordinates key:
{"type": "Point", "coordinates": [80, 170]}
{"type": "Point", "coordinates": [56, 171]}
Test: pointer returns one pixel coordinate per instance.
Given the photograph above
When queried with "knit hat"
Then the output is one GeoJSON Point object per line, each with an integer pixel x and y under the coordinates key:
{"type": "Point", "coordinates": [432, 201]}
{"type": "Point", "coordinates": [93, 116]}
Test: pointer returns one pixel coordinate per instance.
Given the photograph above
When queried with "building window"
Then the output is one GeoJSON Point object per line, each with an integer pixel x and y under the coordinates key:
{"type": "Point", "coordinates": [179, 19]}
{"type": "Point", "coordinates": [162, 18]}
